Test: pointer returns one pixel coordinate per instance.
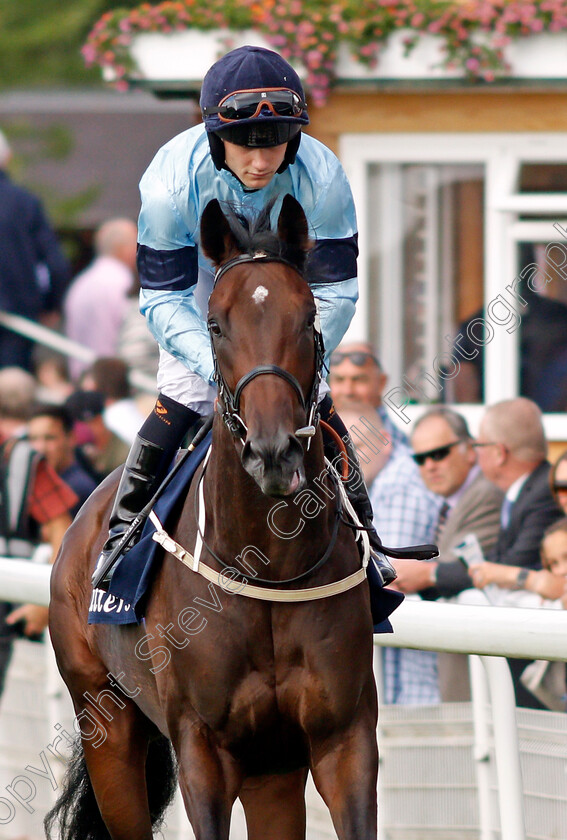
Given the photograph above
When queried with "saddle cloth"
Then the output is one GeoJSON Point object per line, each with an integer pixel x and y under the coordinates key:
{"type": "Point", "coordinates": [125, 600]}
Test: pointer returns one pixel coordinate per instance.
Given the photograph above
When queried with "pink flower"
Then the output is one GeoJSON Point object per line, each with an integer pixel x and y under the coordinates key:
{"type": "Point", "coordinates": [89, 54]}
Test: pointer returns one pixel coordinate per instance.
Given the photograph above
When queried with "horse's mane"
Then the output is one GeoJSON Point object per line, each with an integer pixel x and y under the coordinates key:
{"type": "Point", "coordinates": [256, 234]}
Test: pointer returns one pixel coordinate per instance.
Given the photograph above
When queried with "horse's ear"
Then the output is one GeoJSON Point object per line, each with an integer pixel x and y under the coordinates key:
{"type": "Point", "coordinates": [292, 225]}
{"type": "Point", "coordinates": [217, 239]}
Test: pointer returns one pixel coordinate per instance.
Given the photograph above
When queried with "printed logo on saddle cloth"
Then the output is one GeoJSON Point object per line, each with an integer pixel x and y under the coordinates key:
{"type": "Point", "coordinates": [116, 609]}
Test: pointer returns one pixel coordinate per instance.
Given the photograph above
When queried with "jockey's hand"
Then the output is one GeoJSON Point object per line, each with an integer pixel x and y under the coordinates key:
{"type": "Point", "coordinates": [34, 618]}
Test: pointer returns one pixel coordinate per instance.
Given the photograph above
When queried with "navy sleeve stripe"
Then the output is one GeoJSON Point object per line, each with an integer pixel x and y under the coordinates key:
{"type": "Point", "coordinates": [332, 260]}
{"type": "Point", "coordinates": [167, 270]}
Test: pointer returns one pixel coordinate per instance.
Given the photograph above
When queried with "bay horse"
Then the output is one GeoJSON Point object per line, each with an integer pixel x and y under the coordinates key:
{"type": "Point", "coordinates": [250, 693]}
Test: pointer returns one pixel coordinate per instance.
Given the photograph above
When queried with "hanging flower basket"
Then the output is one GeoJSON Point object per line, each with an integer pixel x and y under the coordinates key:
{"type": "Point", "coordinates": [397, 60]}
{"type": "Point", "coordinates": [481, 41]}
{"type": "Point", "coordinates": [182, 58]}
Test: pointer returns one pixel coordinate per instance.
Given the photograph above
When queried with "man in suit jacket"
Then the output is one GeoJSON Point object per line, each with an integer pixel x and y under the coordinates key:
{"type": "Point", "coordinates": [447, 462]}
{"type": "Point", "coordinates": [512, 453]}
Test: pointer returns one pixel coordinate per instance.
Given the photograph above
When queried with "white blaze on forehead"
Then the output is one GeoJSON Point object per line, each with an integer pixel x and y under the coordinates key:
{"type": "Point", "coordinates": [260, 294]}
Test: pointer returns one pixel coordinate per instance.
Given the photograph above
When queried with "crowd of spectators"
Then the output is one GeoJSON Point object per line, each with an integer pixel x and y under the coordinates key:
{"type": "Point", "coordinates": [496, 493]}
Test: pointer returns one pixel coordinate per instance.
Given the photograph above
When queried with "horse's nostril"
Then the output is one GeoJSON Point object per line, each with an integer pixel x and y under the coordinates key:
{"type": "Point", "coordinates": [280, 455]}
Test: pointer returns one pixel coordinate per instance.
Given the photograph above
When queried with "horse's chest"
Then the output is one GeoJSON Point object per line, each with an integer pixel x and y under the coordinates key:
{"type": "Point", "coordinates": [263, 733]}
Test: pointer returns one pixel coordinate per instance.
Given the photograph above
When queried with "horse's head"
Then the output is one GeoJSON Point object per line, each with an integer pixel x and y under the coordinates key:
{"type": "Point", "coordinates": [268, 351]}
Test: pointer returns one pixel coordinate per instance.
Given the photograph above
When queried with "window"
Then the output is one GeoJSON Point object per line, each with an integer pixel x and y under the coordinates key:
{"type": "Point", "coordinates": [456, 231]}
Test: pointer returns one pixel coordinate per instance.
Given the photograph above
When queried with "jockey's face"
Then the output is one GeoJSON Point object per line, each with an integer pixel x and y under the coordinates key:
{"type": "Point", "coordinates": [254, 166]}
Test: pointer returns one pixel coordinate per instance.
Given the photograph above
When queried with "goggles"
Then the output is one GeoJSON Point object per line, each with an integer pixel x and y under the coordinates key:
{"type": "Point", "coordinates": [357, 357]}
{"type": "Point", "coordinates": [248, 104]}
{"type": "Point", "coordinates": [435, 454]}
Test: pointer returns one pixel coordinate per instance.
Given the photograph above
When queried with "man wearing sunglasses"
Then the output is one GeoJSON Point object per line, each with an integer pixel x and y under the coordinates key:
{"type": "Point", "coordinates": [249, 150]}
{"type": "Point", "coordinates": [443, 451]}
{"type": "Point", "coordinates": [356, 375]}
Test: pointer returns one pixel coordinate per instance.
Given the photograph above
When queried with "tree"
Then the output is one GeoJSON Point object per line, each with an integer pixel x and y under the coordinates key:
{"type": "Point", "coordinates": [41, 40]}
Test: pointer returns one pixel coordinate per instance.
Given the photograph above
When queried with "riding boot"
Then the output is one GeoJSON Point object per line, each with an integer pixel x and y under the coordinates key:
{"type": "Point", "coordinates": [150, 454]}
{"type": "Point", "coordinates": [381, 570]}
{"type": "Point", "coordinates": [138, 480]}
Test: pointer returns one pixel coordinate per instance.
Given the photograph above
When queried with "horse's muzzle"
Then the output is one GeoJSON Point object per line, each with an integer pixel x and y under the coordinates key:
{"type": "Point", "coordinates": [275, 464]}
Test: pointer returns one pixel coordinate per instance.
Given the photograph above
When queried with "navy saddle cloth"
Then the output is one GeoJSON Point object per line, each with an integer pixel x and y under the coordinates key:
{"type": "Point", "coordinates": [124, 602]}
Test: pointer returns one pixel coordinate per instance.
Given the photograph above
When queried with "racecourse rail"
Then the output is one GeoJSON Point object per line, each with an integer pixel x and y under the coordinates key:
{"type": "Point", "coordinates": [487, 633]}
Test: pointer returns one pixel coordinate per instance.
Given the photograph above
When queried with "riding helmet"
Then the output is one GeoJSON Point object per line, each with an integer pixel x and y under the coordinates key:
{"type": "Point", "coordinates": [244, 69]}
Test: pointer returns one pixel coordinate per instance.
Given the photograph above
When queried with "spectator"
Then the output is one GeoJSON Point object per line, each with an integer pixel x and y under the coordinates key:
{"type": "Point", "coordinates": [109, 376]}
{"type": "Point", "coordinates": [543, 582]}
{"type": "Point", "coordinates": [50, 432]}
{"type": "Point", "coordinates": [136, 344]}
{"type": "Point", "coordinates": [105, 450]}
{"type": "Point", "coordinates": [35, 504]}
{"type": "Point", "coordinates": [512, 453]}
{"type": "Point", "coordinates": [34, 271]}
{"type": "Point", "coordinates": [554, 558]}
{"type": "Point", "coordinates": [405, 513]}
{"type": "Point", "coordinates": [52, 374]}
{"type": "Point", "coordinates": [545, 680]}
{"type": "Point", "coordinates": [356, 374]}
{"type": "Point", "coordinates": [447, 462]}
{"type": "Point", "coordinates": [558, 481]}
{"type": "Point", "coordinates": [97, 301]}
{"type": "Point", "coordinates": [542, 352]}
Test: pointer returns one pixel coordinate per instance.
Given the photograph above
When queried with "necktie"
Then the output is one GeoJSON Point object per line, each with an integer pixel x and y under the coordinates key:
{"type": "Point", "coordinates": [505, 512]}
{"type": "Point", "coordinates": [443, 514]}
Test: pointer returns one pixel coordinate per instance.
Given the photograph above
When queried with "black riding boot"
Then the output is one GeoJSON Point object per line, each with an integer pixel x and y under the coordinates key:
{"type": "Point", "coordinates": [152, 451]}
{"type": "Point", "coordinates": [137, 483]}
{"type": "Point", "coordinates": [383, 571]}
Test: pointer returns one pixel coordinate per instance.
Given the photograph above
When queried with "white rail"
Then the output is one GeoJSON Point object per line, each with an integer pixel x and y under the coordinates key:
{"type": "Point", "coordinates": [50, 338]}
{"type": "Point", "coordinates": [24, 582]}
{"type": "Point", "coordinates": [491, 633]}
{"type": "Point", "coordinates": [487, 633]}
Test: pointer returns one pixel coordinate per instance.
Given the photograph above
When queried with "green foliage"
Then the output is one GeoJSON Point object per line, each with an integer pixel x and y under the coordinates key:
{"type": "Point", "coordinates": [34, 145]}
{"type": "Point", "coordinates": [41, 40]}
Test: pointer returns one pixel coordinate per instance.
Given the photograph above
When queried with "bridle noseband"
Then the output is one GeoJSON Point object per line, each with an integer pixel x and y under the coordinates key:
{"type": "Point", "coordinates": [228, 404]}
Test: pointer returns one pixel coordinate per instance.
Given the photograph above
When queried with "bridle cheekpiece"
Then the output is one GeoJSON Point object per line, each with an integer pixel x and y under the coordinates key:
{"type": "Point", "coordinates": [228, 404]}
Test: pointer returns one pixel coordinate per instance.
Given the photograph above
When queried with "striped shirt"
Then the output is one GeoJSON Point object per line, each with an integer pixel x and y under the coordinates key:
{"type": "Point", "coordinates": [405, 513]}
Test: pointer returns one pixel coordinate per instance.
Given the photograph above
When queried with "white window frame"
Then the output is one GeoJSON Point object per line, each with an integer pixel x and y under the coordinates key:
{"type": "Point", "coordinates": [501, 154]}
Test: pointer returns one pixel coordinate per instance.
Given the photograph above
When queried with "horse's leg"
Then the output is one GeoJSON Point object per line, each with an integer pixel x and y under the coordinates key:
{"type": "Point", "coordinates": [275, 806]}
{"type": "Point", "coordinates": [209, 783]}
{"type": "Point", "coordinates": [345, 772]}
{"type": "Point", "coordinates": [115, 737]}
{"type": "Point", "coordinates": [117, 771]}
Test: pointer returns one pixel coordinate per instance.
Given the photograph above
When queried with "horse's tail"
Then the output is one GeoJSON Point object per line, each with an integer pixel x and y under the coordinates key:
{"type": "Point", "coordinates": [76, 814]}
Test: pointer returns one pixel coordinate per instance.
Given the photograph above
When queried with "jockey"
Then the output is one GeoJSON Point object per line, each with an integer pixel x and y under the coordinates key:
{"type": "Point", "coordinates": [249, 149]}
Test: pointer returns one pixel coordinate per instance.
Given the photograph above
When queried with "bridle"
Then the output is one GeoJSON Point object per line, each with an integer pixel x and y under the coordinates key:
{"type": "Point", "coordinates": [228, 404]}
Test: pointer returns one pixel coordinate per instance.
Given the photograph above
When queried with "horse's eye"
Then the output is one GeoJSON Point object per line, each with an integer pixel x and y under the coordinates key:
{"type": "Point", "coordinates": [310, 320]}
{"type": "Point", "coordinates": [214, 328]}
